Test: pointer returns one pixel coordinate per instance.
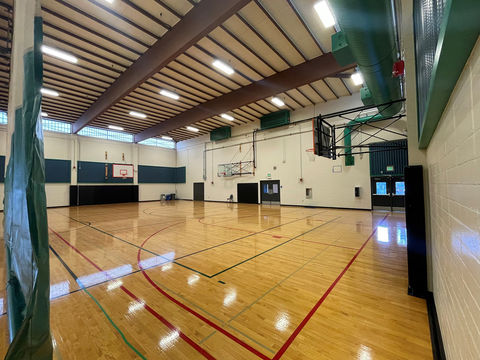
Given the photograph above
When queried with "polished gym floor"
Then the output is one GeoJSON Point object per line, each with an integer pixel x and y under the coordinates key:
{"type": "Point", "coordinates": [193, 280]}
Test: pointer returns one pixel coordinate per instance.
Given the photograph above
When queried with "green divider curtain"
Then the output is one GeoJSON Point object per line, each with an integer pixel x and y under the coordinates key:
{"type": "Point", "coordinates": [25, 215]}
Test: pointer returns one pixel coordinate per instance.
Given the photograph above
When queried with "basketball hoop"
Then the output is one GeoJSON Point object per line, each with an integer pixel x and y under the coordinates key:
{"type": "Point", "coordinates": [123, 173]}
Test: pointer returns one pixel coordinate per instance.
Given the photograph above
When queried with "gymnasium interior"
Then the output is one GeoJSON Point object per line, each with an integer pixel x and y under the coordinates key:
{"type": "Point", "coordinates": [240, 179]}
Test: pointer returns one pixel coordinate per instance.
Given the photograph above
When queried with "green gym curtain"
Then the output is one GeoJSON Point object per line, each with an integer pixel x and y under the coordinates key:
{"type": "Point", "coordinates": [25, 215]}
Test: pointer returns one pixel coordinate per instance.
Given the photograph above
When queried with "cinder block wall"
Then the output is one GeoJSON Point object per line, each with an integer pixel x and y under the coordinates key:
{"type": "Point", "coordinates": [453, 158]}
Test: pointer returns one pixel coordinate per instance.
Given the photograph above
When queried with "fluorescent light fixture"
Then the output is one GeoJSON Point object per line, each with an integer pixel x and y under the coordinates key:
{"type": "Point", "coordinates": [169, 94]}
{"type": "Point", "coordinates": [49, 92]}
{"type": "Point", "coordinates": [137, 114]}
{"type": "Point", "coordinates": [191, 128]}
{"type": "Point", "coordinates": [167, 138]}
{"type": "Point", "coordinates": [325, 14]}
{"type": "Point", "coordinates": [59, 54]}
{"type": "Point", "coordinates": [223, 67]}
{"type": "Point", "coordinates": [44, 114]}
{"type": "Point", "coordinates": [227, 117]}
{"type": "Point", "coordinates": [277, 101]}
{"type": "Point", "coordinates": [114, 127]}
{"type": "Point", "coordinates": [109, 1]}
{"type": "Point", "coordinates": [357, 78]}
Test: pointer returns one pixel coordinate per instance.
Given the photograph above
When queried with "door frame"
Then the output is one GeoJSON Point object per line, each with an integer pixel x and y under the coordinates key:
{"type": "Point", "coordinates": [266, 200]}
{"type": "Point", "coordinates": [389, 201]}
{"type": "Point", "coordinates": [203, 191]}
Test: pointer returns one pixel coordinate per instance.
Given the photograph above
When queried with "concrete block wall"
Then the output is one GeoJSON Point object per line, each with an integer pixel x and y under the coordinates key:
{"type": "Point", "coordinates": [453, 159]}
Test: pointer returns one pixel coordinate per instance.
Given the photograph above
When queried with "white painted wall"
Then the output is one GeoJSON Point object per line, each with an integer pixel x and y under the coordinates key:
{"type": "Point", "coordinates": [453, 158]}
{"type": "Point", "coordinates": [285, 158]}
{"type": "Point", "coordinates": [75, 148]}
{"type": "Point", "coordinates": [281, 152]}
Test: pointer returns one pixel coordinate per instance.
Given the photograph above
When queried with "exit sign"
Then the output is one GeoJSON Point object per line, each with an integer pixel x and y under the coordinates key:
{"type": "Point", "coordinates": [390, 168]}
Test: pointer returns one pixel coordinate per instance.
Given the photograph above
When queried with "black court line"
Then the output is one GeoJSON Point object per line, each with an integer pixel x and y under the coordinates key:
{"type": "Point", "coordinates": [195, 252]}
{"type": "Point", "coordinates": [276, 246]}
{"type": "Point", "coordinates": [115, 326]}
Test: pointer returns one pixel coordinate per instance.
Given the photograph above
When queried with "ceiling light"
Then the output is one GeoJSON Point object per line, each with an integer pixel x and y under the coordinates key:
{"type": "Point", "coordinates": [223, 67]}
{"type": "Point", "coordinates": [323, 10]}
{"type": "Point", "coordinates": [227, 117]}
{"type": "Point", "coordinates": [357, 78]}
{"type": "Point", "coordinates": [191, 128]}
{"type": "Point", "coordinates": [277, 101]}
{"type": "Point", "coordinates": [109, 1]}
{"type": "Point", "coordinates": [49, 92]}
{"type": "Point", "coordinates": [114, 127]}
{"type": "Point", "coordinates": [167, 138]}
{"type": "Point", "coordinates": [62, 55]}
{"type": "Point", "coordinates": [44, 114]}
{"type": "Point", "coordinates": [169, 94]}
{"type": "Point", "coordinates": [137, 114]}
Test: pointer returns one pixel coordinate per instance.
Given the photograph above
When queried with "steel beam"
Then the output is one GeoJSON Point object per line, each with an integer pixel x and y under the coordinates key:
{"type": "Point", "coordinates": [197, 23]}
{"type": "Point", "coordinates": [305, 73]}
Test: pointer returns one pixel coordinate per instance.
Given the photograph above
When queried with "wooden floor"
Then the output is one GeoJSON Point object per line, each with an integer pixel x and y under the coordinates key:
{"type": "Point", "coordinates": [193, 280]}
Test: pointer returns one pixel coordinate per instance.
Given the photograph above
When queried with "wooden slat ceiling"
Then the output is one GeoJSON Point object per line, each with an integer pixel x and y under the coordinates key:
{"type": "Point", "coordinates": [264, 38]}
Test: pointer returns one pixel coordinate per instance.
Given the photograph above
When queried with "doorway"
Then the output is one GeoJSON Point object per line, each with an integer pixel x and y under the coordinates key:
{"type": "Point", "coordinates": [388, 192]}
{"type": "Point", "coordinates": [270, 192]}
{"type": "Point", "coordinates": [247, 193]}
{"type": "Point", "coordinates": [198, 191]}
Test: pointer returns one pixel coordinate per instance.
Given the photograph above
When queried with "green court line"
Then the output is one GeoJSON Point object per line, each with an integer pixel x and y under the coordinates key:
{"type": "Point", "coordinates": [75, 277]}
{"type": "Point", "coordinates": [114, 325]}
{"type": "Point", "coordinates": [222, 322]}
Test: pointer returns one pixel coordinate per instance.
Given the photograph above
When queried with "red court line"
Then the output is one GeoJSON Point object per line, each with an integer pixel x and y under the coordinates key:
{"type": "Point", "coordinates": [193, 312]}
{"type": "Point", "coordinates": [321, 243]}
{"type": "Point", "coordinates": [322, 299]}
{"type": "Point", "coordinates": [148, 308]}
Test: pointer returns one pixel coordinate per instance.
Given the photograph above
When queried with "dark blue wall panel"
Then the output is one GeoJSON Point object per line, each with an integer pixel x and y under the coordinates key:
{"type": "Point", "coordinates": [396, 158]}
{"type": "Point", "coordinates": [2, 169]}
{"type": "Point", "coordinates": [94, 172]}
{"type": "Point", "coordinates": [57, 171]}
{"type": "Point", "coordinates": [181, 175]}
{"type": "Point", "coordinates": [160, 175]}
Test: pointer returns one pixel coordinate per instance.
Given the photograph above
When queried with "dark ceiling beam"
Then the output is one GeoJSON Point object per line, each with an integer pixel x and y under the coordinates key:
{"type": "Point", "coordinates": [197, 23]}
{"type": "Point", "coordinates": [313, 70]}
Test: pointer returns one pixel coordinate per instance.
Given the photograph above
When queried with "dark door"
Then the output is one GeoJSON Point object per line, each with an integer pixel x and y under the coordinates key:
{"type": "Point", "coordinates": [388, 192]}
{"type": "Point", "coordinates": [198, 191]}
{"type": "Point", "coordinates": [247, 193]}
{"type": "Point", "coordinates": [270, 190]}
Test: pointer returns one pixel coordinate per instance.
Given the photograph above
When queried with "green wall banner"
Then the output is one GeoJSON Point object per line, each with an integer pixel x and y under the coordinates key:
{"type": "Point", "coordinates": [25, 212]}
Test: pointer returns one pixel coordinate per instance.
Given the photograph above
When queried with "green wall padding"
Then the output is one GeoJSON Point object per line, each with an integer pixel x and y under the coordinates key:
{"type": "Point", "coordinates": [94, 172]}
{"type": "Point", "coordinates": [57, 171]}
{"type": "Point", "coordinates": [160, 174]}
{"type": "Point", "coordinates": [181, 175]}
{"type": "Point", "coordinates": [2, 169]}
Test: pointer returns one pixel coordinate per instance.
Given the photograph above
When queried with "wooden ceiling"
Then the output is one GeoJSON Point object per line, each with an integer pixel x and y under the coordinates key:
{"type": "Point", "coordinates": [263, 38]}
